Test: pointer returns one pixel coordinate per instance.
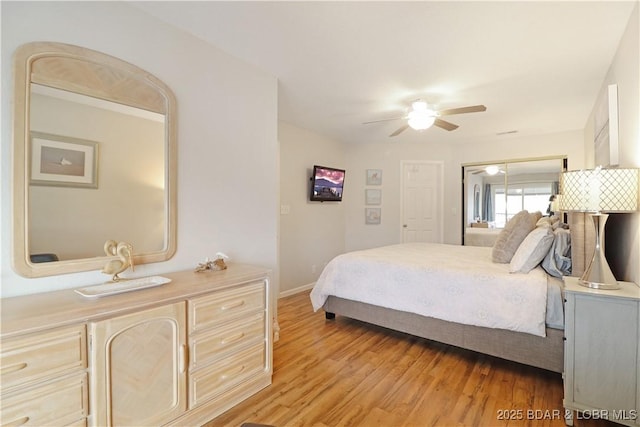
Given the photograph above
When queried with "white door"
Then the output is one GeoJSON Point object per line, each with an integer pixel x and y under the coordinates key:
{"type": "Point", "coordinates": [422, 193]}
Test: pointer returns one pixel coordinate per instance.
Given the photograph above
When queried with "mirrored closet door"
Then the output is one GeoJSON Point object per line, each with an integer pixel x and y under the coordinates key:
{"type": "Point", "coordinates": [493, 192]}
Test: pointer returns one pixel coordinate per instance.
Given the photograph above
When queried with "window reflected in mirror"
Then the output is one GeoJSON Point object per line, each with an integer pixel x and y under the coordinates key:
{"type": "Point", "coordinates": [495, 192]}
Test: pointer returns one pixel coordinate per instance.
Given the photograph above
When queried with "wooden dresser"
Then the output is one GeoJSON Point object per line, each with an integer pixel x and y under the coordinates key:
{"type": "Point", "coordinates": [178, 354]}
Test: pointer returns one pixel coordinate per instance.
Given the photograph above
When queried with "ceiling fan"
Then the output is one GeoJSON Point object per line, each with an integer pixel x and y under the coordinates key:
{"type": "Point", "coordinates": [489, 170]}
{"type": "Point", "coordinates": [421, 117]}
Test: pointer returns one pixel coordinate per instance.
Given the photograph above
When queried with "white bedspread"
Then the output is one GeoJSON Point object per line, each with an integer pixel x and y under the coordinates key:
{"type": "Point", "coordinates": [455, 283]}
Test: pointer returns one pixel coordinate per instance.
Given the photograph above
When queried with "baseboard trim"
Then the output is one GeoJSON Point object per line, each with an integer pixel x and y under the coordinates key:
{"type": "Point", "coordinates": [296, 290]}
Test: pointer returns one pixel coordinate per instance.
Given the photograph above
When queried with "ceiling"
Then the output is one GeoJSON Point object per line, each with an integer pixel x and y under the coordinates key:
{"type": "Point", "coordinates": [537, 66]}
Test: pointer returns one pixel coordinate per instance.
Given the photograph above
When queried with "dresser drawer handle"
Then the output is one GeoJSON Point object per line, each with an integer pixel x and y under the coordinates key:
{"type": "Point", "coordinates": [19, 422]}
{"type": "Point", "coordinates": [232, 306]}
{"type": "Point", "coordinates": [236, 372]}
{"type": "Point", "coordinates": [13, 368]}
{"type": "Point", "coordinates": [183, 358]}
{"type": "Point", "coordinates": [235, 338]}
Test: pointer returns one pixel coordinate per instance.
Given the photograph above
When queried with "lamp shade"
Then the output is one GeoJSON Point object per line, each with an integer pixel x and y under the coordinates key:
{"type": "Point", "coordinates": [599, 190]}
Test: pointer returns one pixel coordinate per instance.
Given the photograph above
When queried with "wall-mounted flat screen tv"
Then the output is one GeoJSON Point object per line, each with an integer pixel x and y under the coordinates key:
{"type": "Point", "coordinates": [326, 184]}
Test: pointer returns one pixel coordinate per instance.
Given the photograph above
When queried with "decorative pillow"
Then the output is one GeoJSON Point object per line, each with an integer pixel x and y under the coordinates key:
{"type": "Point", "coordinates": [532, 250]}
{"type": "Point", "coordinates": [535, 217]}
{"type": "Point", "coordinates": [513, 233]}
{"type": "Point", "coordinates": [548, 220]}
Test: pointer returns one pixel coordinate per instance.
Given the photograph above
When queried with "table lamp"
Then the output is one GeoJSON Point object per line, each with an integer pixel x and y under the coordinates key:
{"type": "Point", "coordinates": [598, 191]}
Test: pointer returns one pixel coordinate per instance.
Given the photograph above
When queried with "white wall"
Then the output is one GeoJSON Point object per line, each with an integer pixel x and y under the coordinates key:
{"type": "Point", "coordinates": [388, 157]}
{"type": "Point", "coordinates": [623, 230]}
{"type": "Point", "coordinates": [311, 233]}
{"type": "Point", "coordinates": [226, 198]}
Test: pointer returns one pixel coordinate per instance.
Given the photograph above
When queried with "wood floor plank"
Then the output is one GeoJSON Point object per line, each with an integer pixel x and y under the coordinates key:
{"type": "Point", "coordinates": [344, 372]}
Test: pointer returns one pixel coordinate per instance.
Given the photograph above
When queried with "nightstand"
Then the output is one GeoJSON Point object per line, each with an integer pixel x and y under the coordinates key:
{"type": "Point", "coordinates": [602, 353]}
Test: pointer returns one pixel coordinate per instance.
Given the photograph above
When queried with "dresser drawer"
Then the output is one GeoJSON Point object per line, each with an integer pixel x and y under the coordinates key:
{"type": "Point", "coordinates": [217, 343]}
{"type": "Point", "coordinates": [60, 402]}
{"type": "Point", "coordinates": [225, 306]}
{"type": "Point", "coordinates": [37, 356]}
{"type": "Point", "coordinates": [217, 378]}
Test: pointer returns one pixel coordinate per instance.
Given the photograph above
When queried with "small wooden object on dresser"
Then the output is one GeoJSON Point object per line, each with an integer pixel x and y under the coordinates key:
{"type": "Point", "coordinates": [177, 354]}
{"type": "Point", "coordinates": [602, 353]}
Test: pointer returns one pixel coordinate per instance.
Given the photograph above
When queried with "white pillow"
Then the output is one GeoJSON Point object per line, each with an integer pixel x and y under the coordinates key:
{"type": "Point", "coordinates": [532, 250]}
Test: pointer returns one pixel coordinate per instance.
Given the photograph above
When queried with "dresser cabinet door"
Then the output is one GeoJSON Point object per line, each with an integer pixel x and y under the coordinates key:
{"type": "Point", "coordinates": [605, 372]}
{"type": "Point", "coordinates": [139, 367]}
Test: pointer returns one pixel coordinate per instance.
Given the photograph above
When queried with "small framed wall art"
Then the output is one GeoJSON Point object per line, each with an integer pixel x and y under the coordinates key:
{"type": "Point", "coordinates": [374, 176]}
{"type": "Point", "coordinates": [373, 196]}
{"type": "Point", "coordinates": [372, 215]}
{"type": "Point", "coordinates": [63, 161]}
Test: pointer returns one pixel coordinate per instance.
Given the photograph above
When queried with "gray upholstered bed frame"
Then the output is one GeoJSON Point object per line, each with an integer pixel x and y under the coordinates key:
{"type": "Point", "coordinates": [542, 352]}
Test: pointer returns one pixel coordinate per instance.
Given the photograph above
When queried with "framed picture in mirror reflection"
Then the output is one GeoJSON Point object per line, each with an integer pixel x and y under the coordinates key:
{"type": "Point", "coordinates": [63, 161]}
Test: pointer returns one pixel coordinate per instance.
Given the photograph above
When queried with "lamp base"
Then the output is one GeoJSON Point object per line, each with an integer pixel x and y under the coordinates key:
{"type": "Point", "coordinates": [598, 274]}
{"type": "Point", "coordinates": [596, 285]}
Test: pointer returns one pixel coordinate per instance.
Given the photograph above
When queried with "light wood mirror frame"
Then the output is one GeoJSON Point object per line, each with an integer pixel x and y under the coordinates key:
{"type": "Point", "coordinates": [91, 73]}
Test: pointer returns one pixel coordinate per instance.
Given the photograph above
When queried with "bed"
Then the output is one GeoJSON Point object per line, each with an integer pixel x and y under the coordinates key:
{"type": "Point", "coordinates": [452, 294]}
{"type": "Point", "coordinates": [476, 236]}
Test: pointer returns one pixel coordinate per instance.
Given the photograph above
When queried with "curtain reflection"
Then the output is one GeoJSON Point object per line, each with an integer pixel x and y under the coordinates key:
{"type": "Point", "coordinates": [487, 205]}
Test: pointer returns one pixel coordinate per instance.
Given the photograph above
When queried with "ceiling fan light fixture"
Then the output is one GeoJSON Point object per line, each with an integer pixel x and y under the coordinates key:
{"type": "Point", "coordinates": [421, 116]}
{"type": "Point", "coordinates": [492, 170]}
{"type": "Point", "coordinates": [420, 120]}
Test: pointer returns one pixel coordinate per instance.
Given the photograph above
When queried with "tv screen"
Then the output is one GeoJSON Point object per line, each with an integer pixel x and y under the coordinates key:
{"type": "Point", "coordinates": [327, 184]}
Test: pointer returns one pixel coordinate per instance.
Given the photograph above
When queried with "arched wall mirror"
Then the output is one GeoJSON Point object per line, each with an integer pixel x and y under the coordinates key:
{"type": "Point", "coordinates": [493, 192]}
{"type": "Point", "coordinates": [94, 160]}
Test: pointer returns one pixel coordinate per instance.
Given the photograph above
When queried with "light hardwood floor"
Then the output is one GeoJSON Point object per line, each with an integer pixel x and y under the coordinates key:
{"type": "Point", "coordinates": [348, 373]}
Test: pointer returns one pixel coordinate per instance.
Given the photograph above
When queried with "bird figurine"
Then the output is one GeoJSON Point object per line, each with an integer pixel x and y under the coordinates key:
{"type": "Point", "coordinates": [124, 251]}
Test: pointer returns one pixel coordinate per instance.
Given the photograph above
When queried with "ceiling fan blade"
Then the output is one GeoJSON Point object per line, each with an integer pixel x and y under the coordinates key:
{"type": "Point", "coordinates": [383, 120]}
{"type": "Point", "coordinates": [399, 131]}
{"type": "Point", "coordinates": [485, 172]}
{"type": "Point", "coordinates": [463, 110]}
{"type": "Point", "coordinates": [445, 125]}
